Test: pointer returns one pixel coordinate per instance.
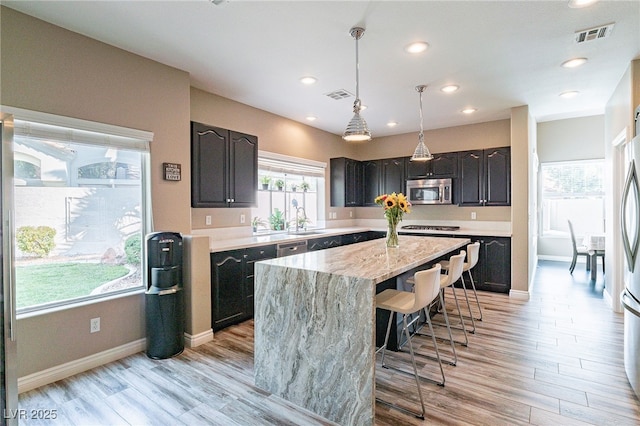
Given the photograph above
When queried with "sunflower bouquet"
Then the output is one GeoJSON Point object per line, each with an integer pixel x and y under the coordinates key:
{"type": "Point", "coordinates": [395, 205]}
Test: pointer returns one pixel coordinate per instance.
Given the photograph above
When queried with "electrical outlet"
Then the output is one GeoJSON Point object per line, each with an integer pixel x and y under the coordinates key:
{"type": "Point", "coordinates": [241, 218]}
{"type": "Point", "coordinates": [473, 215]}
{"type": "Point", "coordinates": [207, 220]}
{"type": "Point", "coordinates": [95, 325]}
{"type": "Point", "coordinates": [350, 213]}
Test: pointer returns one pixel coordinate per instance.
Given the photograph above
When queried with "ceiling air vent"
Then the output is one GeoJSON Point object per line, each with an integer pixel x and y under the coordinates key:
{"type": "Point", "coordinates": [339, 94]}
{"type": "Point", "coordinates": [594, 33]}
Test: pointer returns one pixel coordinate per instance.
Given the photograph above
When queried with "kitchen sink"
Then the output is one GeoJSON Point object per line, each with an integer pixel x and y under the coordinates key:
{"type": "Point", "coordinates": [305, 232]}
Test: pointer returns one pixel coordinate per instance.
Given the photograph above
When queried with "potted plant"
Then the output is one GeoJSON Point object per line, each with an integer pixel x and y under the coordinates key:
{"type": "Point", "coordinates": [264, 180]}
{"type": "Point", "coordinates": [276, 220]}
{"type": "Point", "coordinates": [256, 222]}
{"type": "Point", "coordinates": [305, 186]}
{"type": "Point", "coordinates": [279, 183]}
{"type": "Point", "coordinates": [294, 187]}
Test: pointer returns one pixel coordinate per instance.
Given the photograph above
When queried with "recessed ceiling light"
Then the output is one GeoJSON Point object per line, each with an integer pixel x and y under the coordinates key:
{"type": "Point", "coordinates": [569, 94]}
{"type": "Point", "coordinates": [575, 62]}
{"type": "Point", "coordinates": [311, 118]}
{"type": "Point", "coordinates": [392, 124]}
{"type": "Point", "coordinates": [581, 3]}
{"type": "Point", "coordinates": [469, 110]}
{"type": "Point", "coordinates": [417, 47]}
{"type": "Point", "coordinates": [450, 88]}
{"type": "Point", "coordinates": [308, 80]}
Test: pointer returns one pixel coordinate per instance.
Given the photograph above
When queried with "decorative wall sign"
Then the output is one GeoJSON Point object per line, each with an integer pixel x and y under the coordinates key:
{"type": "Point", "coordinates": [172, 171]}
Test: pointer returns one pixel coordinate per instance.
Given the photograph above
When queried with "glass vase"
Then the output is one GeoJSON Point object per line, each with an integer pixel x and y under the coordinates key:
{"type": "Point", "coordinates": [392, 235]}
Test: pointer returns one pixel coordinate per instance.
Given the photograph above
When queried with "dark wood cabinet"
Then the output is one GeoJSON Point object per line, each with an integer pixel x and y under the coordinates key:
{"type": "Point", "coordinates": [360, 237]}
{"type": "Point", "coordinates": [392, 175]}
{"type": "Point", "coordinates": [442, 165]}
{"type": "Point", "coordinates": [346, 182]}
{"type": "Point", "coordinates": [224, 167]}
{"type": "Point", "coordinates": [232, 281]}
{"type": "Point", "coordinates": [228, 298]}
{"type": "Point", "coordinates": [324, 242]}
{"type": "Point", "coordinates": [484, 177]}
{"type": "Point", "coordinates": [371, 181]}
{"type": "Point", "coordinates": [493, 270]}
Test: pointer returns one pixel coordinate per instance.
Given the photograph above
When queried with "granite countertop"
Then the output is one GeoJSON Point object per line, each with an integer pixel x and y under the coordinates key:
{"type": "Point", "coordinates": [223, 243]}
{"type": "Point", "coordinates": [372, 259]}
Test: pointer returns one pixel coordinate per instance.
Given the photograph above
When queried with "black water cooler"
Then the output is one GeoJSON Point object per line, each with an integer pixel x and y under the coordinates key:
{"type": "Point", "coordinates": [164, 299]}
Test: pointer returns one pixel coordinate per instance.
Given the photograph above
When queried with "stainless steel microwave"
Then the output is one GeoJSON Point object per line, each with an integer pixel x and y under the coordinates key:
{"type": "Point", "coordinates": [429, 191]}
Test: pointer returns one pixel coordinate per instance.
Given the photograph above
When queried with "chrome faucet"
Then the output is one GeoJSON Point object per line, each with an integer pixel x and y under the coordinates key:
{"type": "Point", "coordinates": [298, 215]}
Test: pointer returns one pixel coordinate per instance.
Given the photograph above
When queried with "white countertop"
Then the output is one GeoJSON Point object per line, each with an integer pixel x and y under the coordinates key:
{"type": "Point", "coordinates": [222, 239]}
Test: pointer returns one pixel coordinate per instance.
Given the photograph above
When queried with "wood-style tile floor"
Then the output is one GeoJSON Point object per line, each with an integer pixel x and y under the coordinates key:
{"type": "Point", "coordinates": [556, 359]}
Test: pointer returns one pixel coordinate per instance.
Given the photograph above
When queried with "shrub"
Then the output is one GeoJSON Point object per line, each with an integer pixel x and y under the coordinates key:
{"type": "Point", "coordinates": [37, 240]}
{"type": "Point", "coordinates": [133, 249]}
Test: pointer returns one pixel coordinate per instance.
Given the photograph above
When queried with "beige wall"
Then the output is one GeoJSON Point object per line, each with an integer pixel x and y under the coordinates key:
{"type": "Point", "coordinates": [49, 69]}
{"type": "Point", "coordinates": [521, 225]}
{"type": "Point", "coordinates": [571, 139]}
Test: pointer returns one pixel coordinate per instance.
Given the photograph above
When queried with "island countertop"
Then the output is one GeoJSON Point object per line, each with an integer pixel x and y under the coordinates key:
{"type": "Point", "coordinates": [372, 260]}
{"type": "Point", "coordinates": [315, 322]}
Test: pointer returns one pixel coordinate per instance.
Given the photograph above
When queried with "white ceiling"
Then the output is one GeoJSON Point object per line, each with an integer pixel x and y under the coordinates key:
{"type": "Point", "coordinates": [502, 54]}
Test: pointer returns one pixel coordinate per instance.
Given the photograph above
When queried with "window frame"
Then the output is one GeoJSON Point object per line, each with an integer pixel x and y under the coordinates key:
{"type": "Point", "coordinates": [74, 130]}
{"type": "Point", "coordinates": [543, 233]}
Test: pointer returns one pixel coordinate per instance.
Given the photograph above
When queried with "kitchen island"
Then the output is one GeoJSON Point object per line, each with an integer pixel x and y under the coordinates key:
{"type": "Point", "coordinates": [315, 321]}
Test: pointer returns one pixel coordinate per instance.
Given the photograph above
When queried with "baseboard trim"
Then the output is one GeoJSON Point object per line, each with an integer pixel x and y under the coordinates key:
{"type": "Point", "coordinates": [198, 339]}
{"type": "Point", "coordinates": [519, 294]}
{"type": "Point", "coordinates": [68, 369]}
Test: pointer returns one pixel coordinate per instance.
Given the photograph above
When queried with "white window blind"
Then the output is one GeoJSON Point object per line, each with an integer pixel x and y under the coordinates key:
{"type": "Point", "coordinates": [279, 163]}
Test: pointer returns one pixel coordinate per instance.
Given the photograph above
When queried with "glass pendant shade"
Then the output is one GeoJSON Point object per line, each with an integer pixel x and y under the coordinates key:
{"type": "Point", "coordinates": [422, 152]}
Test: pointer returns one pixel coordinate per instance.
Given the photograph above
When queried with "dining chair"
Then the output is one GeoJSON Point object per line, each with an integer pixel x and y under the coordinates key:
{"type": "Point", "coordinates": [578, 250]}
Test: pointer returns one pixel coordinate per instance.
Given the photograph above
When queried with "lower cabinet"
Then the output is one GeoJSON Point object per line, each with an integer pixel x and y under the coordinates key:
{"type": "Point", "coordinates": [493, 270]}
{"type": "Point", "coordinates": [324, 242]}
{"type": "Point", "coordinates": [232, 284]}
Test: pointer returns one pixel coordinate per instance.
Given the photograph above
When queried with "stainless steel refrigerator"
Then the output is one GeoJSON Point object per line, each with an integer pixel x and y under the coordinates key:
{"type": "Point", "coordinates": [630, 297]}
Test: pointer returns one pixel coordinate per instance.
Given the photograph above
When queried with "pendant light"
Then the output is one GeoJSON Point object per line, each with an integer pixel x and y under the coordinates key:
{"type": "Point", "coordinates": [422, 152]}
{"type": "Point", "coordinates": [357, 129]}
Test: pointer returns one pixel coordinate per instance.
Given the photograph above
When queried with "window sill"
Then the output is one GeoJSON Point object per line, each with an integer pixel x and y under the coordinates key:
{"type": "Point", "coordinates": [63, 306]}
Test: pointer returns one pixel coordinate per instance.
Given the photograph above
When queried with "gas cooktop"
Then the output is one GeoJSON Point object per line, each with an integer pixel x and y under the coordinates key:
{"type": "Point", "coordinates": [431, 228]}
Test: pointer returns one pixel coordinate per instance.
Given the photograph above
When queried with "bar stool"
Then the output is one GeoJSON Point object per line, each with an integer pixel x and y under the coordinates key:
{"type": "Point", "coordinates": [473, 253]}
{"type": "Point", "coordinates": [427, 288]}
{"type": "Point", "coordinates": [455, 272]}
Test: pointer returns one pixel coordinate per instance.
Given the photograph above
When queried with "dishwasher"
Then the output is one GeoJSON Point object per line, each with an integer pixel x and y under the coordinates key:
{"type": "Point", "coordinates": [295, 247]}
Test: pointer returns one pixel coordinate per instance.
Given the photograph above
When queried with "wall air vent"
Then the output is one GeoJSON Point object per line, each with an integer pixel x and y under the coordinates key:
{"type": "Point", "coordinates": [339, 94]}
{"type": "Point", "coordinates": [594, 33]}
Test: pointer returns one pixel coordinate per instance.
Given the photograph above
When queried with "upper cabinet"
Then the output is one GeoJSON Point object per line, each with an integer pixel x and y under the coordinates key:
{"type": "Point", "coordinates": [484, 177]}
{"type": "Point", "coordinates": [392, 177]}
{"type": "Point", "coordinates": [371, 181]}
{"type": "Point", "coordinates": [346, 182]}
{"type": "Point", "coordinates": [224, 167]}
{"type": "Point", "coordinates": [443, 165]}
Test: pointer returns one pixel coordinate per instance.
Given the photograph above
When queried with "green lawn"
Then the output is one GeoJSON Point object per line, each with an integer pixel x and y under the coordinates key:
{"type": "Point", "coordinates": [53, 282]}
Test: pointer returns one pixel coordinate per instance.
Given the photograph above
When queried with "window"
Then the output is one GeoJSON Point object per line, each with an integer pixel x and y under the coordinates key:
{"type": "Point", "coordinates": [80, 212]}
{"type": "Point", "coordinates": [288, 188]}
{"type": "Point", "coordinates": [572, 191]}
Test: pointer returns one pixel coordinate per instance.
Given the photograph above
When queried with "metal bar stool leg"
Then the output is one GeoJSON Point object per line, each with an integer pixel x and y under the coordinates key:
{"type": "Point", "coordinates": [464, 329]}
{"type": "Point", "coordinates": [475, 293]}
{"type": "Point", "coordinates": [466, 297]}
